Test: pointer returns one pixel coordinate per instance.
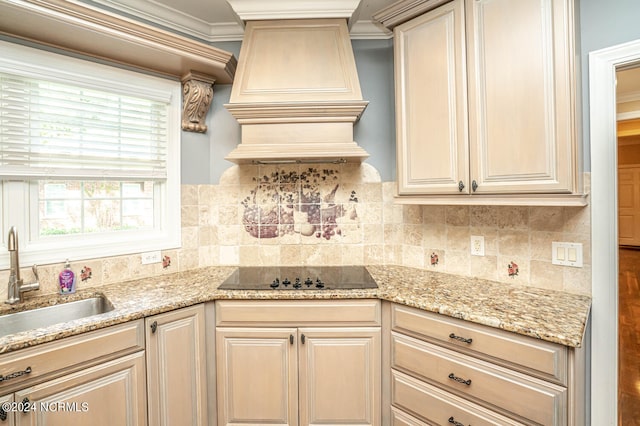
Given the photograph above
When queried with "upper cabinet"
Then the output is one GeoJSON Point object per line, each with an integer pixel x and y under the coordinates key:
{"type": "Point", "coordinates": [486, 102]}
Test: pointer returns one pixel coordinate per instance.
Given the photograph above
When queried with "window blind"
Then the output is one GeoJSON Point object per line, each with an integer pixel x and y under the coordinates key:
{"type": "Point", "coordinates": [57, 130]}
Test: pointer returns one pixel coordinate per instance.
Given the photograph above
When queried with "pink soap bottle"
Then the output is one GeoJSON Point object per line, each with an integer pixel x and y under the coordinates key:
{"type": "Point", "coordinates": [67, 280]}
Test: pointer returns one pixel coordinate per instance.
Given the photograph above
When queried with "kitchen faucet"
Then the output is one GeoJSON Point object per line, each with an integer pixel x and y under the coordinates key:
{"type": "Point", "coordinates": [16, 285]}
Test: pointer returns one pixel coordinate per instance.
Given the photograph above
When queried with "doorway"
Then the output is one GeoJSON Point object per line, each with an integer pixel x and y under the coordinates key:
{"type": "Point", "coordinates": [603, 65]}
{"type": "Point", "coordinates": [628, 134]}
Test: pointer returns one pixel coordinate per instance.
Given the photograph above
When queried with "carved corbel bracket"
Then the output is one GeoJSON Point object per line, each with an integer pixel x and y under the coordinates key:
{"type": "Point", "coordinates": [197, 94]}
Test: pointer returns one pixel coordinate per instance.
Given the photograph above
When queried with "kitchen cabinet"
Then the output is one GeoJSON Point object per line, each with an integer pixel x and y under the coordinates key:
{"type": "Point", "coordinates": [176, 367]}
{"type": "Point", "coordinates": [97, 378]}
{"type": "Point", "coordinates": [485, 101]}
{"type": "Point", "coordinates": [110, 393]}
{"type": "Point", "coordinates": [442, 369]}
{"type": "Point", "coordinates": [298, 362]}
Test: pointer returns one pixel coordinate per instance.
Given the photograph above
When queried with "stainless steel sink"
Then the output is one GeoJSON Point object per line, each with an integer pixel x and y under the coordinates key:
{"type": "Point", "coordinates": [55, 314]}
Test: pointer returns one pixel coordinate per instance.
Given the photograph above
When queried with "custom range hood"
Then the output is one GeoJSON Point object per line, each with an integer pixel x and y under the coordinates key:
{"type": "Point", "coordinates": [296, 92]}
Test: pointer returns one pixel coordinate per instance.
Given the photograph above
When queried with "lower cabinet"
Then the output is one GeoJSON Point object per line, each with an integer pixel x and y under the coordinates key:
{"type": "Point", "coordinates": [442, 370]}
{"type": "Point", "coordinates": [108, 394]}
{"type": "Point", "coordinates": [176, 368]}
{"type": "Point", "coordinates": [307, 375]}
{"type": "Point", "coordinates": [96, 379]}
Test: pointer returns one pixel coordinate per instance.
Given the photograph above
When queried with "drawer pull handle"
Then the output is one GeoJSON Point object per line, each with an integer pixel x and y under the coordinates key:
{"type": "Point", "coordinates": [453, 421]}
{"type": "Point", "coordinates": [460, 380]}
{"type": "Point", "coordinates": [291, 339]}
{"type": "Point", "coordinates": [3, 415]}
{"type": "Point", "coordinates": [14, 375]}
{"type": "Point", "coordinates": [462, 339]}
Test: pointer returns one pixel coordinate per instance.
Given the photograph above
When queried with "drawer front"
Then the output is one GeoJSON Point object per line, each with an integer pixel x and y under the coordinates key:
{"type": "Point", "coordinates": [537, 357]}
{"type": "Point", "coordinates": [49, 358]}
{"type": "Point", "coordinates": [485, 383]}
{"type": "Point", "coordinates": [400, 418]}
{"type": "Point", "coordinates": [436, 406]}
{"type": "Point", "coordinates": [295, 313]}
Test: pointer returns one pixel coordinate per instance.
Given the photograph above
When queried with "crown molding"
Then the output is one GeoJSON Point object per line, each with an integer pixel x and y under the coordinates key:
{"type": "Point", "coordinates": [178, 21]}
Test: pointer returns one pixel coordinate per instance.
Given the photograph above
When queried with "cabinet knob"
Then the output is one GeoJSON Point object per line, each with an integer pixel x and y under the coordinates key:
{"type": "Point", "coordinates": [154, 326]}
{"type": "Point", "coordinates": [474, 185]}
{"type": "Point", "coordinates": [303, 338]}
{"type": "Point", "coordinates": [3, 414]}
{"type": "Point", "coordinates": [461, 186]}
{"type": "Point", "coordinates": [291, 339]}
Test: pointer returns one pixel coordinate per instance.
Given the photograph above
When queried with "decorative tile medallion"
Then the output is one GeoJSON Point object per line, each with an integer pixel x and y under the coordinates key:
{"type": "Point", "coordinates": [512, 269]}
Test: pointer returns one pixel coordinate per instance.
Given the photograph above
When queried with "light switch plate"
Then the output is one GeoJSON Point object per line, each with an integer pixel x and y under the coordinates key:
{"type": "Point", "coordinates": [566, 254]}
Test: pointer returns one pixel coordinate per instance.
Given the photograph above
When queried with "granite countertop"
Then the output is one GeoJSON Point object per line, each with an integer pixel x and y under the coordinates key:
{"type": "Point", "coordinates": [553, 316]}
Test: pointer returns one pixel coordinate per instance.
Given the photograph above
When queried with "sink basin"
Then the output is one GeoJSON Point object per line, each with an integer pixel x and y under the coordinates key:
{"type": "Point", "coordinates": [55, 314]}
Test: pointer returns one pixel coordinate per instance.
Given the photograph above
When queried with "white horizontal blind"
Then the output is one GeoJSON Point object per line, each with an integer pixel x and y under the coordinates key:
{"type": "Point", "coordinates": [58, 130]}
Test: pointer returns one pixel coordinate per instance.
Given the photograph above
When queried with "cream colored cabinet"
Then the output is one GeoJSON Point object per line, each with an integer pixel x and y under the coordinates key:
{"type": "Point", "coordinates": [96, 378]}
{"type": "Point", "coordinates": [443, 370]}
{"type": "Point", "coordinates": [485, 101]}
{"type": "Point", "coordinates": [176, 367]}
{"type": "Point", "coordinates": [111, 393]}
{"type": "Point", "coordinates": [270, 371]}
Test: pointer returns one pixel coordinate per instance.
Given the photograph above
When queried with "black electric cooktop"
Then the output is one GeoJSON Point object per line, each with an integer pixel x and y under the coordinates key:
{"type": "Point", "coordinates": [299, 278]}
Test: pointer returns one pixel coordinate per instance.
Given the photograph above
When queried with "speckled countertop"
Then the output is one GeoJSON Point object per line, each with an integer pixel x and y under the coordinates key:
{"type": "Point", "coordinates": [549, 315]}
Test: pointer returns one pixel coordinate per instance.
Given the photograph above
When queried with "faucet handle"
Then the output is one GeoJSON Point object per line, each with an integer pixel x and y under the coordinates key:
{"type": "Point", "coordinates": [34, 268]}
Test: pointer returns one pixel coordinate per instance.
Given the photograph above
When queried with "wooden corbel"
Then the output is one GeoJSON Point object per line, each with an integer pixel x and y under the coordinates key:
{"type": "Point", "coordinates": [197, 94]}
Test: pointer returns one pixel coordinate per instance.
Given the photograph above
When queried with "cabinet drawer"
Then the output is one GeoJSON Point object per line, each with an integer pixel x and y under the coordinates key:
{"type": "Point", "coordinates": [436, 406]}
{"type": "Point", "coordinates": [537, 357]}
{"type": "Point", "coordinates": [485, 383]}
{"type": "Point", "coordinates": [400, 418]}
{"type": "Point", "coordinates": [53, 358]}
{"type": "Point", "coordinates": [295, 313]}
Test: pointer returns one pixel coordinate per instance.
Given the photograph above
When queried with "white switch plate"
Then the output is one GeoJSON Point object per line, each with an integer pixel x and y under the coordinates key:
{"type": "Point", "coordinates": [566, 254]}
{"type": "Point", "coordinates": [151, 257]}
{"type": "Point", "coordinates": [477, 245]}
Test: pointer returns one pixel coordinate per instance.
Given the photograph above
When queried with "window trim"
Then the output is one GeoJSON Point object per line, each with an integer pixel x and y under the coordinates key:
{"type": "Point", "coordinates": [17, 58]}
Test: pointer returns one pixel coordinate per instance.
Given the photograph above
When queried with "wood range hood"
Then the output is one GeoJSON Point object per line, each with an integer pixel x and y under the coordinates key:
{"type": "Point", "coordinates": [296, 92]}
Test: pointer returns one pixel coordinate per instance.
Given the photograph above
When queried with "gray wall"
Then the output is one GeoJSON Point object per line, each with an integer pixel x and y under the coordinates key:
{"type": "Point", "coordinates": [603, 24]}
{"type": "Point", "coordinates": [203, 154]}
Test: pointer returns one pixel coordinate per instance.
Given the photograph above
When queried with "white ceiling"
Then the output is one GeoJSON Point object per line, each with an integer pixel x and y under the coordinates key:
{"type": "Point", "coordinates": [214, 20]}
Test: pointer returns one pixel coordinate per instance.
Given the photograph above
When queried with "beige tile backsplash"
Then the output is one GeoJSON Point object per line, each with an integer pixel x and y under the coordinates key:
{"type": "Point", "coordinates": [343, 214]}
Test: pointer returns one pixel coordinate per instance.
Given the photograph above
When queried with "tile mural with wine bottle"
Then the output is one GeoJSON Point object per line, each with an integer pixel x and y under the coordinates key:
{"type": "Point", "coordinates": [309, 201]}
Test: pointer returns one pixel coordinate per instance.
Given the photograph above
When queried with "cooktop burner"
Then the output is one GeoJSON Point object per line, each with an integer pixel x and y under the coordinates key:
{"type": "Point", "coordinates": [299, 278]}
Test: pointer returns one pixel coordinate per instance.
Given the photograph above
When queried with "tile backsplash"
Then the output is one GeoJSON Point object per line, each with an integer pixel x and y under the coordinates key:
{"type": "Point", "coordinates": [343, 214]}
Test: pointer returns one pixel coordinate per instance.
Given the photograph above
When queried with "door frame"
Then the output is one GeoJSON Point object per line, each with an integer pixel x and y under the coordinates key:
{"type": "Point", "coordinates": [604, 227]}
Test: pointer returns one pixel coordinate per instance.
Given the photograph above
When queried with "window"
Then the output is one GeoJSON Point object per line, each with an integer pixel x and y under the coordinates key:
{"type": "Point", "coordinates": [89, 157]}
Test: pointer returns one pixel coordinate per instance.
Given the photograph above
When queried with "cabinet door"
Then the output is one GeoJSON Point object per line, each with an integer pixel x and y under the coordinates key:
{"type": "Point", "coordinates": [108, 394]}
{"type": "Point", "coordinates": [431, 103]}
{"type": "Point", "coordinates": [339, 376]}
{"type": "Point", "coordinates": [176, 367]}
{"type": "Point", "coordinates": [521, 95]}
{"type": "Point", "coordinates": [257, 375]}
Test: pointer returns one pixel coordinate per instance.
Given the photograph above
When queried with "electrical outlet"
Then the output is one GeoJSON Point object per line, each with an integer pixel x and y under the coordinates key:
{"type": "Point", "coordinates": [477, 245]}
{"type": "Point", "coordinates": [151, 257]}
